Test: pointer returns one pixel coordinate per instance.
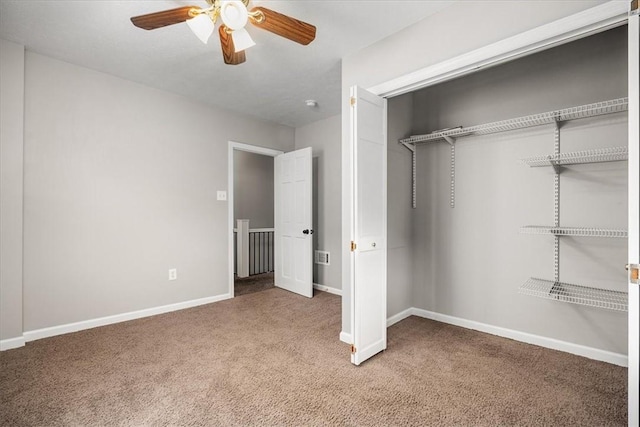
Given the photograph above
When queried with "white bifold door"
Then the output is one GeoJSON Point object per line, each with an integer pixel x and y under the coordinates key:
{"type": "Point", "coordinates": [293, 220]}
{"type": "Point", "coordinates": [634, 216]}
{"type": "Point", "coordinates": [368, 147]}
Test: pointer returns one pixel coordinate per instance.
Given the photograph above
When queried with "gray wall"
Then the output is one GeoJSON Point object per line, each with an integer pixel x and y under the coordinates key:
{"type": "Point", "coordinates": [470, 260]}
{"type": "Point", "coordinates": [120, 185]}
{"type": "Point", "coordinates": [400, 215]}
{"type": "Point", "coordinates": [323, 137]}
{"type": "Point", "coordinates": [253, 188]}
{"type": "Point", "coordinates": [465, 26]}
{"type": "Point", "coordinates": [11, 188]}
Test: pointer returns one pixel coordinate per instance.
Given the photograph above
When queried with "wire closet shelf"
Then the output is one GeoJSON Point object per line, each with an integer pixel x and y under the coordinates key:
{"type": "Point", "coordinates": [573, 113]}
{"type": "Point", "coordinates": [573, 231]}
{"type": "Point", "coordinates": [597, 155]}
{"type": "Point", "coordinates": [583, 295]}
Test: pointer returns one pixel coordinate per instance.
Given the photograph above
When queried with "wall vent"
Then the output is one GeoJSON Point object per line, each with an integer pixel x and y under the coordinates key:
{"type": "Point", "coordinates": [322, 258]}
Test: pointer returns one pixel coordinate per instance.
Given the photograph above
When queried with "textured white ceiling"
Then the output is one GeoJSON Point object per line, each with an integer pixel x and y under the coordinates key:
{"type": "Point", "coordinates": [273, 84]}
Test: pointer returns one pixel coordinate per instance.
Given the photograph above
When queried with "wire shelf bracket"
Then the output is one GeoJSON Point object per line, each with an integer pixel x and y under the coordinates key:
{"type": "Point", "coordinates": [576, 294]}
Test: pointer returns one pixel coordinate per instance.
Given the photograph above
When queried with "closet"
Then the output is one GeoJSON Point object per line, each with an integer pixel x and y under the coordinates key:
{"type": "Point", "coordinates": [507, 195]}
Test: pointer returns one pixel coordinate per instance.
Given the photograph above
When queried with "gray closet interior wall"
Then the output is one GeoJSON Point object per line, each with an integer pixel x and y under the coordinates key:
{"type": "Point", "coordinates": [400, 215]}
{"type": "Point", "coordinates": [470, 261]}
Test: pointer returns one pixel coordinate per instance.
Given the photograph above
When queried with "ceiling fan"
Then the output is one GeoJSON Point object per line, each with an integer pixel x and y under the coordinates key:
{"type": "Point", "coordinates": [234, 15]}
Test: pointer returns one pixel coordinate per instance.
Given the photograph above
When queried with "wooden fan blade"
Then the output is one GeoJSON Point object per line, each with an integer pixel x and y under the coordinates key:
{"type": "Point", "coordinates": [231, 57]}
{"type": "Point", "coordinates": [285, 26]}
{"type": "Point", "coordinates": [152, 21]}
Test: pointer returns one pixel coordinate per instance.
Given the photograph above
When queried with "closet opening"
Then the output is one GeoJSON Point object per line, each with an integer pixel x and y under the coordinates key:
{"type": "Point", "coordinates": [509, 184]}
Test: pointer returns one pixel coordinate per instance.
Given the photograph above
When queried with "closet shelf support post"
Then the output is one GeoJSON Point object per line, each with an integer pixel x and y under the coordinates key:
{"type": "Point", "coordinates": [412, 147]}
{"type": "Point", "coordinates": [556, 199]}
{"type": "Point", "coordinates": [452, 143]}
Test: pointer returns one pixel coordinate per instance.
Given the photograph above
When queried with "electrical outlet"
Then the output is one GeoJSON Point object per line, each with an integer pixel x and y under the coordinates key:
{"type": "Point", "coordinates": [222, 195]}
{"type": "Point", "coordinates": [173, 274]}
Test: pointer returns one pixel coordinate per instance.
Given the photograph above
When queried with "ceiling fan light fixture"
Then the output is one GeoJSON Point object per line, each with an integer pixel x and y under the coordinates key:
{"type": "Point", "coordinates": [242, 40]}
{"type": "Point", "coordinates": [234, 39]}
{"type": "Point", "coordinates": [234, 14]}
{"type": "Point", "coordinates": [202, 26]}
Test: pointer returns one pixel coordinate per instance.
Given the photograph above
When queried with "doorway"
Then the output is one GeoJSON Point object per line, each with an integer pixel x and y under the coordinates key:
{"type": "Point", "coordinates": [292, 243]}
{"type": "Point", "coordinates": [253, 208]}
{"type": "Point", "coordinates": [251, 200]}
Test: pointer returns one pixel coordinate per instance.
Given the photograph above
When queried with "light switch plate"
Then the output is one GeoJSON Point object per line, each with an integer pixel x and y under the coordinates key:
{"type": "Point", "coordinates": [222, 195]}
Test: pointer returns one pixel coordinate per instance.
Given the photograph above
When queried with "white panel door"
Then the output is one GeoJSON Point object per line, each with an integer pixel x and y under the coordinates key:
{"type": "Point", "coordinates": [369, 215]}
{"type": "Point", "coordinates": [293, 222]}
{"type": "Point", "coordinates": [634, 215]}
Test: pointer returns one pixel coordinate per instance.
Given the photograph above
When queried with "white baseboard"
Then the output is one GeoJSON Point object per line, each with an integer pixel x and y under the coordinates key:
{"type": "Point", "coordinates": [577, 349]}
{"type": "Point", "coordinates": [328, 289]}
{"type": "Point", "coordinates": [109, 320]}
{"type": "Point", "coordinates": [345, 337]}
{"type": "Point", "coordinates": [12, 343]}
{"type": "Point", "coordinates": [400, 316]}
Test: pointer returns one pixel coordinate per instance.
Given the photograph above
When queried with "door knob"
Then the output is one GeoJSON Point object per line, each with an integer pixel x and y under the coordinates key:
{"type": "Point", "coordinates": [307, 231]}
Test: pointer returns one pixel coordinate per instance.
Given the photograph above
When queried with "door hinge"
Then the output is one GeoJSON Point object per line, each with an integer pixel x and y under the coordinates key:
{"type": "Point", "coordinates": [353, 246]}
{"type": "Point", "coordinates": [352, 101]}
{"type": "Point", "coordinates": [634, 7]}
{"type": "Point", "coordinates": [353, 349]}
{"type": "Point", "coordinates": [634, 272]}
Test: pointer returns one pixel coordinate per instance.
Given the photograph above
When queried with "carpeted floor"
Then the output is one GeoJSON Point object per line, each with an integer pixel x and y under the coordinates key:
{"type": "Point", "coordinates": [273, 358]}
{"type": "Point", "coordinates": [251, 284]}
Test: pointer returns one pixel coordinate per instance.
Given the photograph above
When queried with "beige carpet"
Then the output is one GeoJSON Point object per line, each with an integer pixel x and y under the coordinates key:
{"type": "Point", "coordinates": [273, 358]}
{"type": "Point", "coordinates": [251, 284]}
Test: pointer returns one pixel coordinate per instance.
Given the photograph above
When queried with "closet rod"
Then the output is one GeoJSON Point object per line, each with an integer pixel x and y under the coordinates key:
{"type": "Point", "coordinates": [572, 113]}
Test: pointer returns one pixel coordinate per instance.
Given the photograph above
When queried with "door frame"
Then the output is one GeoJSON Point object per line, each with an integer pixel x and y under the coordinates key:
{"type": "Point", "coordinates": [239, 146]}
{"type": "Point", "coordinates": [633, 255]}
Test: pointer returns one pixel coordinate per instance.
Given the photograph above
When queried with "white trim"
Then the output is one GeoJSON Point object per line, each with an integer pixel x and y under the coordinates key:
{"type": "Point", "coordinates": [241, 146]}
{"type": "Point", "coordinates": [400, 316]}
{"type": "Point", "coordinates": [345, 338]}
{"type": "Point", "coordinates": [567, 347]}
{"type": "Point", "coordinates": [633, 254]}
{"type": "Point", "coordinates": [329, 289]}
{"type": "Point", "coordinates": [563, 30]}
{"type": "Point", "coordinates": [117, 318]}
{"type": "Point", "coordinates": [12, 343]}
{"type": "Point", "coordinates": [251, 149]}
